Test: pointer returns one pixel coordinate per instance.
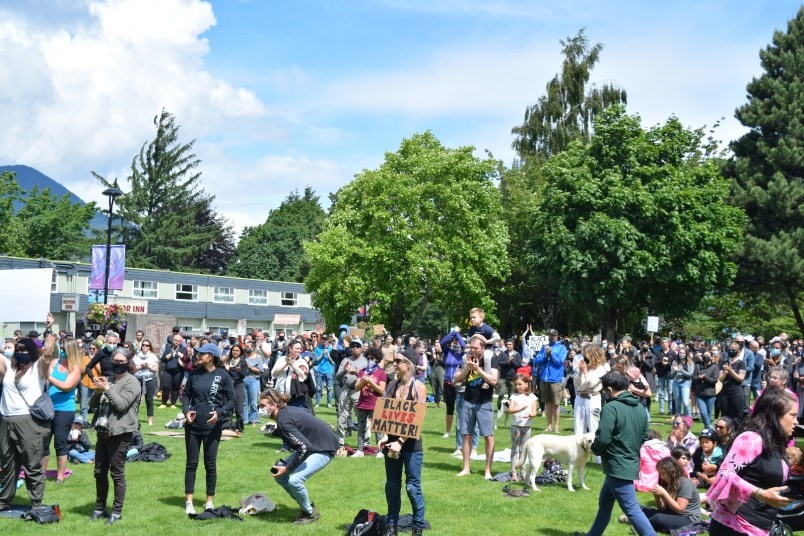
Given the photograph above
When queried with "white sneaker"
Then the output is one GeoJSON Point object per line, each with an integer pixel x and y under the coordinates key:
{"type": "Point", "coordinates": [457, 454]}
{"type": "Point", "coordinates": [379, 455]}
{"type": "Point", "coordinates": [446, 435]}
{"type": "Point", "coordinates": [358, 454]}
{"type": "Point", "coordinates": [209, 506]}
{"type": "Point", "coordinates": [189, 509]}
{"type": "Point", "coordinates": [474, 454]}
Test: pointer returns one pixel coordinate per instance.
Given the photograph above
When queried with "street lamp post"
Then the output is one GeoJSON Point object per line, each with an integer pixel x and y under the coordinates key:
{"type": "Point", "coordinates": [111, 193]}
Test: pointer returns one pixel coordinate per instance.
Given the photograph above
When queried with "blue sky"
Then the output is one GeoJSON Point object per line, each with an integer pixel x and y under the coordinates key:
{"type": "Point", "coordinates": [284, 94]}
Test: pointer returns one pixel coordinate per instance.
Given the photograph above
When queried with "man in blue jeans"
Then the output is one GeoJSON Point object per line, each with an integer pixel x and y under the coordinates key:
{"type": "Point", "coordinates": [622, 430]}
{"type": "Point", "coordinates": [313, 444]}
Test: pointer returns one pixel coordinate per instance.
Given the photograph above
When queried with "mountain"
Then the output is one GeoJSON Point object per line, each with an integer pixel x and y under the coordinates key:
{"type": "Point", "coordinates": [28, 177]}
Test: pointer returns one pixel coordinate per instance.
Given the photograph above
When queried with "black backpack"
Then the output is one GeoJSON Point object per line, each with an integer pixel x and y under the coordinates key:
{"type": "Point", "coordinates": [367, 523]}
{"type": "Point", "coordinates": [552, 473]}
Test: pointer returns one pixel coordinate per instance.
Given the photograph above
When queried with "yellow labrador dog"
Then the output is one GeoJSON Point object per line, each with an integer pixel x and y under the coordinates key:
{"type": "Point", "coordinates": [575, 451]}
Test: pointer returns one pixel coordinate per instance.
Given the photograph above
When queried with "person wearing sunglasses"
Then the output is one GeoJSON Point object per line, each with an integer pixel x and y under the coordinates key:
{"type": "Point", "coordinates": [681, 436]}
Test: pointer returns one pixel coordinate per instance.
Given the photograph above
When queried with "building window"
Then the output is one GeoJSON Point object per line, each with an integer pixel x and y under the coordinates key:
{"type": "Point", "coordinates": [258, 297]}
{"type": "Point", "coordinates": [145, 289]}
{"type": "Point", "coordinates": [217, 330]}
{"type": "Point", "coordinates": [288, 299]}
{"type": "Point", "coordinates": [27, 327]}
{"type": "Point", "coordinates": [187, 329]}
{"type": "Point", "coordinates": [54, 283]}
{"type": "Point", "coordinates": [186, 292]}
{"type": "Point", "coordinates": [223, 295]}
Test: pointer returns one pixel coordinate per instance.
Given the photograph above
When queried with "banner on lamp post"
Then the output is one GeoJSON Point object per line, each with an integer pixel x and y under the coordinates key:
{"type": "Point", "coordinates": [117, 267]}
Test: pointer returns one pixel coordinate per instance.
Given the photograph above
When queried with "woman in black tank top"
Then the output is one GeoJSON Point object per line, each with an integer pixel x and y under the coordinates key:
{"type": "Point", "coordinates": [404, 452]}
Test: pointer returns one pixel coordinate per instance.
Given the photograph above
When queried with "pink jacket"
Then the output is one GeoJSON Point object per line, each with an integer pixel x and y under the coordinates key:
{"type": "Point", "coordinates": [650, 453]}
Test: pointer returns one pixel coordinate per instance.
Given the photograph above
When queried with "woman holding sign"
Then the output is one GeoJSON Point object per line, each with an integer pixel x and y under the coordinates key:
{"type": "Point", "coordinates": [402, 451]}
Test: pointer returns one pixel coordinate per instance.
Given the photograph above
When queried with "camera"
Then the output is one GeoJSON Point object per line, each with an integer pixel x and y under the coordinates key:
{"type": "Point", "coordinates": [103, 411]}
{"type": "Point", "coordinates": [279, 463]}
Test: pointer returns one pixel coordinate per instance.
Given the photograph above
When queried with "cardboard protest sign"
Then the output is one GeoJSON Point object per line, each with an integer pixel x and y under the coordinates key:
{"type": "Point", "coordinates": [395, 417]}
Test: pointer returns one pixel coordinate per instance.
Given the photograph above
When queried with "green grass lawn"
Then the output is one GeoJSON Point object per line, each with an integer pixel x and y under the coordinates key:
{"type": "Point", "coordinates": [469, 505]}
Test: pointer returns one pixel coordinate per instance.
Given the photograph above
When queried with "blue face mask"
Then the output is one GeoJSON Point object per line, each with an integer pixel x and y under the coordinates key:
{"type": "Point", "coordinates": [776, 352]}
{"type": "Point", "coordinates": [9, 352]}
{"type": "Point", "coordinates": [111, 347]}
{"type": "Point", "coordinates": [23, 358]}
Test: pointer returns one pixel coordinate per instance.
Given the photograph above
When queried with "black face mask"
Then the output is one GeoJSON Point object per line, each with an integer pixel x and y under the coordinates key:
{"type": "Point", "coordinates": [733, 353]}
{"type": "Point", "coordinates": [119, 368]}
{"type": "Point", "coordinates": [23, 358]}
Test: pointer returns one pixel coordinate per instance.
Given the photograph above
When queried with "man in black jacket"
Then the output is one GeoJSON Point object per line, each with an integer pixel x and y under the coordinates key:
{"type": "Point", "coordinates": [313, 443]}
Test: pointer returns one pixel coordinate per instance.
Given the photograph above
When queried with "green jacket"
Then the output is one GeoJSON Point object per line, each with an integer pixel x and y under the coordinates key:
{"type": "Point", "coordinates": [622, 430]}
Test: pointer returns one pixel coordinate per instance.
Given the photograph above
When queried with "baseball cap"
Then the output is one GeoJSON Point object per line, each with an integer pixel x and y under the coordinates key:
{"type": "Point", "coordinates": [209, 348]}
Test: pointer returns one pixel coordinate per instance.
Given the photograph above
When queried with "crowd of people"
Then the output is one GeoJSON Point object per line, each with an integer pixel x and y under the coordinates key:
{"type": "Point", "coordinates": [223, 385]}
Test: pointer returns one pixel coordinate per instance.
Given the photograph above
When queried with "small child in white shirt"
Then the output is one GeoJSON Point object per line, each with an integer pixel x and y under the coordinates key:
{"type": "Point", "coordinates": [523, 407]}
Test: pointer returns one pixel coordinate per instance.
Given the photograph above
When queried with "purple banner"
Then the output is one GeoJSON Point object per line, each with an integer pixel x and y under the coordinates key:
{"type": "Point", "coordinates": [117, 267]}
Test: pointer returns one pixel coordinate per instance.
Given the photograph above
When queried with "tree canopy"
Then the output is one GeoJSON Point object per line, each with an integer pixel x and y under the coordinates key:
{"type": "Point", "coordinates": [768, 171]}
{"type": "Point", "coordinates": [568, 110]}
{"type": "Point", "coordinates": [163, 225]}
{"type": "Point", "coordinates": [45, 225]}
{"type": "Point", "coordinates": [423, 227]}
{"type": "Point", "coordinates": [273, 250]}
{"type": "Point", "coordinates": [636, 219]}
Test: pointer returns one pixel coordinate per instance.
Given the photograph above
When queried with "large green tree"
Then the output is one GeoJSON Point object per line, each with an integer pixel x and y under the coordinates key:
{"type": "Point", "coordinates": [635, 220]}
{"type": "Point", "coordinates": [563, 114]}
{"type": "Point", "coordinates": [273, 250]}
{"type": "Point", "coordinates": [162, 225]}
{"type": "Point", "coordinates": [424, 227]}
{"type": "Point", "coordinates": [768, 171]}
{"type": "Point", "coordinates": [54, 227]}
{"type": "Point", "coordinates": [44, 225]}
{"type": "Point", "coordinates": [568, 110]}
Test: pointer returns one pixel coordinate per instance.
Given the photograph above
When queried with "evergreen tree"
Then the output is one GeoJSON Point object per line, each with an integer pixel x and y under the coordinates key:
{"type": "Point", "coordinates": [568, 110]}
{"type": "Point", "coordinates": [162, 222]}
{"type": "Point", "coordinates": [273, 250]}
{"type": "Point", "coordinates": [768, 171]}
{"type": "Point", "coordinates": [10, 191]}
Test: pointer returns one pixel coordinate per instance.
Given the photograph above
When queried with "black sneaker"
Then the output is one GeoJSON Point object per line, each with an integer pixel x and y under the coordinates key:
{"type": "Point", "coordinates": [305, 518]}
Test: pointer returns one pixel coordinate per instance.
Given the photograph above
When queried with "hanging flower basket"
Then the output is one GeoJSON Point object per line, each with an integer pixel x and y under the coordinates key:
{"type": "Point", "coordinates": [107, 316]}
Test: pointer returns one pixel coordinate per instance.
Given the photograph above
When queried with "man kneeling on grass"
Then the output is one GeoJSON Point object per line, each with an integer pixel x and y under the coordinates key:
{"type": "Point", "coordinates": [313, 443]}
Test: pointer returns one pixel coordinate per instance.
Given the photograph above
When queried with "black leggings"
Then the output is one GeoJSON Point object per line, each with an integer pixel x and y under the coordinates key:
{"type": "Point", "coordinates": [732, 403]}
{"type": "Point", "coordinates": [171, 380]}
{"type": "Point", "coordinates": [148, 391]}
{"type": "Point", "coordinates": [60, 428]}
{"type": "Point", "coordinates": [662, 521]}
{"type": "Point", "coordinates": [449, 397]}
{"type": "Point", "coordinates": [193, 443]}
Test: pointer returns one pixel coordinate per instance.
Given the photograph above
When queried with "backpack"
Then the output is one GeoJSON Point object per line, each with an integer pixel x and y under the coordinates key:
{"type": "Point", "coordinates": [256, 503]}
{"type": "Point", "coordinates": [367, 523]}
{"type": "Point", "coordinates": [152, 452]}
{"type": "Point", "coordinates": [552, 473]}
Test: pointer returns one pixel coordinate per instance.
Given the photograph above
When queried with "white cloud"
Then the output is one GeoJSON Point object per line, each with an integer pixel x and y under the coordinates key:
{"type": "Point", "coordinates": [82, 97]}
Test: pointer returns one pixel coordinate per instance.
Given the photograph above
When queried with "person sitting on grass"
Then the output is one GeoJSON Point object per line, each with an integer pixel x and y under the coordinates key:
{"type": "Point", "coordinates": [706, 460]}
{"type": "Point", "coordinates": [80, 446]}
{"type": "Point", "coordinates": [677, 501]}
{"type": "Point", "coordinates": [652, 450]}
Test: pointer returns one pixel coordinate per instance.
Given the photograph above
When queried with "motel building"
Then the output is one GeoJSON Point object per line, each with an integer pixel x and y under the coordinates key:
{"type": "Point", "coordinates": [157, 300]}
